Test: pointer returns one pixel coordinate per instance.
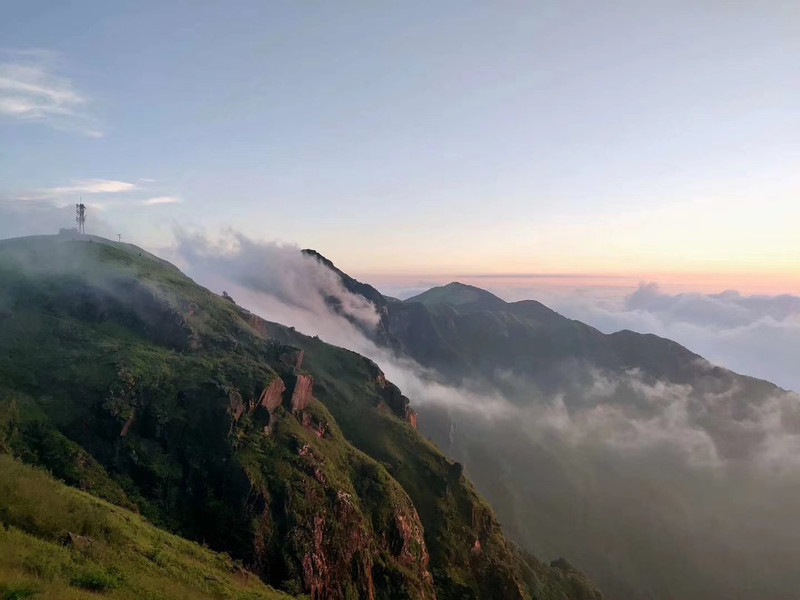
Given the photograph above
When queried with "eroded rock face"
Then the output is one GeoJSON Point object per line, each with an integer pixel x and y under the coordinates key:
{"type": "Point", "coordinates": [330, 562]}
{"type": "Point", "coordinates": [272, 396]}
{"type": "Point", "coordinates": [331, 541]}
{"type": "Point", "coordinates": [413, 553]}
{"type": "Point", "coordinates": [301, 397]}
{"type": "Point", "coordinates": [411, 416]}
{"type": "Point", "coordinates": [341, 546]}
{"type": "Point", "coordinates": [128, 424]}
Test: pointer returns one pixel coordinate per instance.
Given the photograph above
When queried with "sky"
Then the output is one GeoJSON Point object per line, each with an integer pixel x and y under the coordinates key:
{"type": "Point", "coordinates": [420, 141]}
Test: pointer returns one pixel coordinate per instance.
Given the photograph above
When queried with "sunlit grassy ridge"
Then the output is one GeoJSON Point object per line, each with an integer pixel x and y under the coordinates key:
{"type": "Point", "coordinates": [114, 551]}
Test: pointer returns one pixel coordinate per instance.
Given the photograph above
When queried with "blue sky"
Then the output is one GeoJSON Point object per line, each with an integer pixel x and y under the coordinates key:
{"type": "Point", "coordinates": [640, 138]}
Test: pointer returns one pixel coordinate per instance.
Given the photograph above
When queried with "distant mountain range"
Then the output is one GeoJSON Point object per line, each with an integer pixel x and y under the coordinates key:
{"type": "Point", "coordinates": [660, 474]}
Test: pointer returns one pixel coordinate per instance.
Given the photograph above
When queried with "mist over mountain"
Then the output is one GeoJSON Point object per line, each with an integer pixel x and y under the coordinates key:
{"type": "Point", "coordinates": [658, 473]}
{"type": "Point", "coordinates": [298, 459]}
{"type": "Point", "coordinates": [455, 300]}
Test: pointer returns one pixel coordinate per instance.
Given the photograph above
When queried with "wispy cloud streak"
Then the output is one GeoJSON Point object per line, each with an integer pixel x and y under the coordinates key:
{"type": "Point", "coordinates": [92, 186]}
{"type": "Point", "coordinates": [31, 90]}
{"type": "Point", "coordinates": [155, 201]}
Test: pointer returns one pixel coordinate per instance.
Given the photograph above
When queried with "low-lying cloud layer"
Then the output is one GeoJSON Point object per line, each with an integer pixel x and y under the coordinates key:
{"type": "Point", "coordinates": [623, 411]}
{"type": "Point", "coordinates": [281, 284]}
{"type": "Point", "coordinates": [653, 487]}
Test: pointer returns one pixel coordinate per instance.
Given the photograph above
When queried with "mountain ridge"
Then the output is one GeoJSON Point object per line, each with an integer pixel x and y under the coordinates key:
{"type": "Point", "coordinates": [292, 455]}
{"type": "Point", "coordinates": [598, 420]}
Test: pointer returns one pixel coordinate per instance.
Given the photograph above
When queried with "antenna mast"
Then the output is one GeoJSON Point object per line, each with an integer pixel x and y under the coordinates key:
{"type": "Point", "coordinates": [80, 216]}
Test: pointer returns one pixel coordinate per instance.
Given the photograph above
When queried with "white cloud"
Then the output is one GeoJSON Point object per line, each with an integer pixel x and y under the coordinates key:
{"type": "Point", "coordinates": [91, 186]}
{"type": "Point", "coordinates": [618, 411]}
{"type": "Point", "coordinates": [161, 200]}
{"type": "Point", "coordinates": [30, 90]}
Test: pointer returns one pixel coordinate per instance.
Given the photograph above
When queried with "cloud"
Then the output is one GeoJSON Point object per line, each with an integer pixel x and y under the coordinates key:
{"type": "Point", "coordinates": [754, 335]}
{"type": "Point", "coordinates": [279, 271]}
{"type": "Point", "coordinates": [280, 284]}
{"type": "Point", "coordinates": [623, 411]}
{"type": "Point", "coordinates": [615, 470]}
{"type": "Point", "coordinates": [90, 186]}
{"type": "Point", "coordinates": [30, 90]}
{"type": "Point", "coordinates": [162, 200]}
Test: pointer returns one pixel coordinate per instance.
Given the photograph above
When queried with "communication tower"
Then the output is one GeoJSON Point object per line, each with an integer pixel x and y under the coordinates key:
{"type": "Point", "coordinates": [80, 216]}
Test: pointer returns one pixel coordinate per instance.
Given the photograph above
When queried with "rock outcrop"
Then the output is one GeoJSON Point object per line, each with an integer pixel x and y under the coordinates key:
{"type": "Point", "coordinates": [411, 416]}
{"type": "Point", "coordinates": [334, 538]}
{"type": "Point", "coordinates": [303, 388]}
{"type": "Point", "coordinates": [128, 423]}
{"type": "Point", "coordinates": [272, 396]}
{"type": "Point", "coordinates": [318, 428]}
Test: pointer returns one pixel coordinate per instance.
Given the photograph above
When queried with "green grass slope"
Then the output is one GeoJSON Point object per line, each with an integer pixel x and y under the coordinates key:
{"type": "Point", "coordinates": [60, 543]}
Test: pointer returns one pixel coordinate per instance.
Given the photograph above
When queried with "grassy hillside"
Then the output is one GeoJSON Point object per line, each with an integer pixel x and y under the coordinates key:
{"type": "Point", "coordinates": [60, 543]}
{"type": "Point", "coordinates": [126, 379]}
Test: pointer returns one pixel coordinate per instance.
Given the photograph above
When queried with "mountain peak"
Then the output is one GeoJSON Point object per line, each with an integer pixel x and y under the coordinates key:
{"type": "Point", "coordinates": [458, 294]}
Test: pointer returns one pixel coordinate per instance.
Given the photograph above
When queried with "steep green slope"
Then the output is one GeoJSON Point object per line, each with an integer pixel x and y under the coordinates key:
{"type": "Point", "coordinates": [289, 454]}
{"type": "Point", "coordinates": [60, 543]}
{"type": "Point", "coordinates": [469, 555]}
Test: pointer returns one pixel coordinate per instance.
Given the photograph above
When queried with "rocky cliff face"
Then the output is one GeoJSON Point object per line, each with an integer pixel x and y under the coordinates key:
{"type": "Point", "coordinates": [325, 534]}
{"type": "Point", "coordinates": [272, 396]}
{"type": "Point", "coordinates": [291, 455]}
{"type": "Point", "coordinates": [301, 396]}
{"type": "Point", "coordinates": [392, 398]}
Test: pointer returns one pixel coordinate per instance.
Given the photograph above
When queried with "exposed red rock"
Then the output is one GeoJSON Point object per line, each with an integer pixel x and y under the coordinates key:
{"type": "Point", "coordinates": [319, 429]}
{"type": "Point", "coordinates": [128, 424]}
{"type": "Point", "coordinates": [414, 553]}
{"type": "Point", "coordinates": [334, 540]}
{"type": "Point", "coordinates": [411, 416]}
{"type": "Point", "coordinates": [301, 397]}
{"type": "Point", "coordinates": [305, 450]}
{"type": "Point", "coordinates": [272, 396]}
